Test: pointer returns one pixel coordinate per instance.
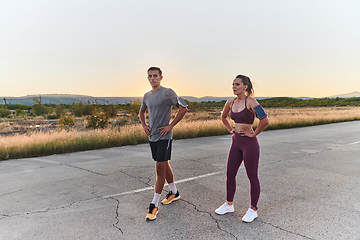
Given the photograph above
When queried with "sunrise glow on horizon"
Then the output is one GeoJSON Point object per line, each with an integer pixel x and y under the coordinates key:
{"type": "Point", "coordinates": [103, 49]}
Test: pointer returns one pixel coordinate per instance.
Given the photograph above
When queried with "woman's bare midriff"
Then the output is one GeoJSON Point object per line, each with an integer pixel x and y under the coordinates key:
{"type": "Point", "coordinates": [240, 126]}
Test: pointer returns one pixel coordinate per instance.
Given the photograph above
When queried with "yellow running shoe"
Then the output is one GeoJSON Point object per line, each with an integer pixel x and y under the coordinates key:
{"type": "Point", "coordinates": [153, 211]}
{"type": "Point", "coordinates": [170, 197]}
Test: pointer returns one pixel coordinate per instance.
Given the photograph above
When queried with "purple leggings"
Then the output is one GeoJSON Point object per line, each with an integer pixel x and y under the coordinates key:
{"type": "Point", "coordinates": [247, 149]}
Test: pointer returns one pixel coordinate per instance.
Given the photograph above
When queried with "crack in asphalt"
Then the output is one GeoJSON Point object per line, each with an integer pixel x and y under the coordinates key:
{"type": "Point", "coordinates": [84, 169]}
{"type": "Point", "coordinates": [49, 208]}
{"type": "Point", "coordinates": [139, 178]}
{"type": "Point", "coordinates": [210, 214]}
{"type": "Point", "coordinates": [282, 229]}
{"type": "Point", "coordinates": [8, 193]}
{"type": "Point", "coordinates": [117, 215]}
{"type": "Point", "coordinates": [67, 206]}
{"type": "Point", "coordinates": [147, 183]}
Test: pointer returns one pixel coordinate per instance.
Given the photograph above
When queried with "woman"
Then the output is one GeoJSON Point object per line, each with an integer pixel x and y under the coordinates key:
{"type": "Point", "coordinates": [244, 145]}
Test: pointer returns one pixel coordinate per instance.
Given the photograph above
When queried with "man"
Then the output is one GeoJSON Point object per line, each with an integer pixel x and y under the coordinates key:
{"type": "Point", "coordinates": [159, 101]}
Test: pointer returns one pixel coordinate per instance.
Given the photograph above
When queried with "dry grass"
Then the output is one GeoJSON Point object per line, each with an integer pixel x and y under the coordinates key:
{"type": "Point", "coordinates": [195, 124]}
{"type": "Point", "coordinates": [63, 141]}
{"type": "Point", "coordinates": [300, 117]}
{"type": "Point", "coordinates": [280, 115]}
{"type": "Point", "coordinates": [199, 128]}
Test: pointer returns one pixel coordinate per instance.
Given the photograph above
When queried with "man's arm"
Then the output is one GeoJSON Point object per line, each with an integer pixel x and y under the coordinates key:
{"type": "Point", "coordinates": [142, 117]}
{"type": "Point", "coordinates": [179, 115]}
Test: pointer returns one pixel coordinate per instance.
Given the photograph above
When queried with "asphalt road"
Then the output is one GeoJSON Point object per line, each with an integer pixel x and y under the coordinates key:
{"type": "Point", "coordinates": [309, 190]}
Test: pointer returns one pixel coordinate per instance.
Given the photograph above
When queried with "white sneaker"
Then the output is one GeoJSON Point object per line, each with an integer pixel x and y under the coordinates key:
{"type": "Point", "coordinates": [225, 208]}
{"type": "Point", "coordinates": [250, 215]}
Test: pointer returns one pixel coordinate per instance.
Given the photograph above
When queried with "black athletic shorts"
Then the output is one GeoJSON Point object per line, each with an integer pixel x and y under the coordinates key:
{"type": "Point", "coordinates": [161, 150]}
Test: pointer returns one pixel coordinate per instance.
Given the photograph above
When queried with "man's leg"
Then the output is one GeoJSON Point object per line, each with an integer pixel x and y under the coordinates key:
{"type": "Point", "coordinates": [169, 173]}
{"type": "Point", "coordinates": [159, 185]}
{"type": "Point", "coordinates": [170, 179]}
{"type": "Point", "coordinates": [164, 172]}
{"type": "Point", "coordinates": [161, 173]}
{"type": "Point", "coordinates": [174, 194]}
{"type": "Point", "coordinates": [158, 150]}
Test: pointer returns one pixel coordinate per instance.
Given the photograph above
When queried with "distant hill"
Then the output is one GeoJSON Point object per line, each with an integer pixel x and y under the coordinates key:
{"type": "Point", "coordinates": [347, 95]}
{"type": "Point", "coordinates": [66, 99]}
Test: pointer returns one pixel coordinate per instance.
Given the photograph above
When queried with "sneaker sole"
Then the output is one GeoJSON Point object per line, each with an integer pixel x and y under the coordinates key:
{"type": "Point", "coordinates": [150, 219]}
{"type": "Point", "coordinates": [249, 221]}
{"type": "Point", "coordinates": [224, 212]}
{"type": "Point", "coordinates": [177, 198]}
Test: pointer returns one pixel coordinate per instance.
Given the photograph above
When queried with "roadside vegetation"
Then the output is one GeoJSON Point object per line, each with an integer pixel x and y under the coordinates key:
{"type": "Point", "coordinates": [45, 129]}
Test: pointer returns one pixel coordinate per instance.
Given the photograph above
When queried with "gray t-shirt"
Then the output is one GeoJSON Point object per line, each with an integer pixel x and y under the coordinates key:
{"type": "Point", "coordinates": [159, 104]}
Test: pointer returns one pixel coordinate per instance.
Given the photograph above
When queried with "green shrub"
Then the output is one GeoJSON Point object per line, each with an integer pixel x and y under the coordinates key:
{"type": "Point", "coordinates": [134, 107]}
{"type": "Point", "coordinates": [110, 110]}
{"type": "Point", "coordinates": [4, 112]}
{"type": "Point", "coordinates": [80, 109]}
{"type": "Point", "coordinates": [77, 109]}
{"type": "Point", "coordinates": [66, 121]}
{"type": "Point", "coordinates": [19, 112]}
{"type": "Point", "coordinates": [97, 120]}
{"type": "Point", "coordinates": [39, 109]}
{"type": "Point", "coordinates": [60, 111]}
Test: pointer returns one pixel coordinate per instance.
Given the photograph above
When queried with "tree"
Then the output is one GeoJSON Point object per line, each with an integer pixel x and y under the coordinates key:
{"type": "Point", "coordinates": [36, 101]}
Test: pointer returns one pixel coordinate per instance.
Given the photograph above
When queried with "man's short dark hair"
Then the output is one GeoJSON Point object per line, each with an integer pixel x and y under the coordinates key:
{"type": "Point", "coordinates": [154, 69]}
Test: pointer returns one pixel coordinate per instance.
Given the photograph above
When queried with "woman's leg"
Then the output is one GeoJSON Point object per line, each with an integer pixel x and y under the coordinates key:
{"type": "Point", "coordinates": [251, 162]}
{"type": "Point", "coordinates": [233, 163]}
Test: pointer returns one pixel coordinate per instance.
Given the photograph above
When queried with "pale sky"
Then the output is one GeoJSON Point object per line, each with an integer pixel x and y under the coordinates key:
{"type": "Point", "coordinates": [303, 48]}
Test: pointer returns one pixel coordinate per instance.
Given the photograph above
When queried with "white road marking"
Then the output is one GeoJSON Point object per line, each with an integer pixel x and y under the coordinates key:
{"type": "Point", "coordinates": [149, 188]}
{"type": "Point", "coordinates": [201, 176]}
{"type": "Point", "coordinates": [354, 143]}
{"type": "Point", "coordinates": [129, 192]}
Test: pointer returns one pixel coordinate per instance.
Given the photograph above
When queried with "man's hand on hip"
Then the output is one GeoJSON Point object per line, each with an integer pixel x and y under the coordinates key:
{"type": "Point", "coordinates": [165, 130]}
